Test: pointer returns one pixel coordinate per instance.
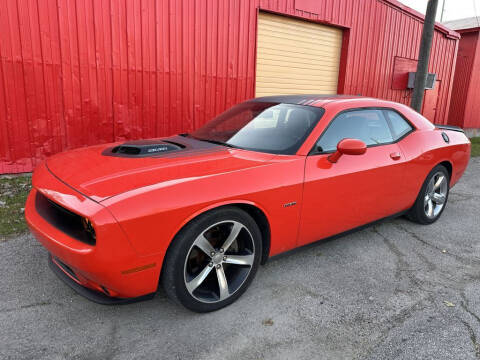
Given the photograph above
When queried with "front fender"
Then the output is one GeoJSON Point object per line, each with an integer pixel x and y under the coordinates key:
{"type": "Point", "coordinates": [153, 215]}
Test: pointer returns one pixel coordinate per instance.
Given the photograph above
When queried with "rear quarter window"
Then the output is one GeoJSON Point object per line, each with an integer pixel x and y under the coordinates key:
{"type": "Point", "coordinates": [400, 126]}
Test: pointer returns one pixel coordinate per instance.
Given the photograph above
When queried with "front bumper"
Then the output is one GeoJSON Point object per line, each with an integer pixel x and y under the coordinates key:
{"type": "Point", "coordinates": [95, 296]}
{"type": "Point", "coordinates": [111, 268]}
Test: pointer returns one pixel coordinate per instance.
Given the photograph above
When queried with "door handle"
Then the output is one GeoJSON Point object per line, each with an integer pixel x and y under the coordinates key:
{"type": "Point", "coordinates": [395, 156]}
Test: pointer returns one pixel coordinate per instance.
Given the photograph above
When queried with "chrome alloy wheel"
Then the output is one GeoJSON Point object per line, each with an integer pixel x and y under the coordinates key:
{"type": "Point", "coordinates": [219, 261]}
{"type": "Point", "coordinates": [436, 195]}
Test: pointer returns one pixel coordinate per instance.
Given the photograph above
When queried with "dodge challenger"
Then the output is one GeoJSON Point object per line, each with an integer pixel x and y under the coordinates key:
{"type": "Point", "coordinates": [199, 212]}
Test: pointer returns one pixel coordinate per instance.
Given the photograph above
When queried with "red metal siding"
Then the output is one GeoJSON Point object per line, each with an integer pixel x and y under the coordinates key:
{"type": "Point", "coordinates": [472, 108]}
{"type": "Point", "coordinates": [401, 69]}
{"type": "Point", "coordinates": [465, 106]}
{"type": "Point", "coordinates": [75, 73]}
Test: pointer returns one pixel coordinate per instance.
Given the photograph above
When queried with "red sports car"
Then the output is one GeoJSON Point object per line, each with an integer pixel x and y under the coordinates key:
{"type": "Point", "coordinates": [199, 212]}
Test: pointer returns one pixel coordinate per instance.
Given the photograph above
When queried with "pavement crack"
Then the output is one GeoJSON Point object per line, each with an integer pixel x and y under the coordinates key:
{"type": "Point", "coordinates": [473, 338]}
{"type": "Point", "coordinates": [403, 267]}
{"type": "Point", "coordinates": [399, 320]}
{"type": "Point", "coordinates": [466, 306]}
{"type": "Point", "coordinates": [426, 243]}
{"type": "Point", "coordinates": [28, 306]}
{"type": "Point", "coordinates": [395, 251]}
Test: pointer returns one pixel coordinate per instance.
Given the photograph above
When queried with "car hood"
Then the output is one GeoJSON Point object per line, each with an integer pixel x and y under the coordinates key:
{"type": "Point", "coordinates": [101, 172]}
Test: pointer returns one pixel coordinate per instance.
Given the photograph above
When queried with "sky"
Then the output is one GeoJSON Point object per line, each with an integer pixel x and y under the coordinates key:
{"type": "Point", "coordinates": [454, 9]}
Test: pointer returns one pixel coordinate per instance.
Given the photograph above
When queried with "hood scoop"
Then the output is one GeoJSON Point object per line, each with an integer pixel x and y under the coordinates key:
{"type": "Point", "coordinates": [143, 148]}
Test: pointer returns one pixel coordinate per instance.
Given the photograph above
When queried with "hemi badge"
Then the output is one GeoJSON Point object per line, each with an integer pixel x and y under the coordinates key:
{"type": "Point", "coordinates": [290, 204]}
{"type": "Point", "coordinates": [140, 268]}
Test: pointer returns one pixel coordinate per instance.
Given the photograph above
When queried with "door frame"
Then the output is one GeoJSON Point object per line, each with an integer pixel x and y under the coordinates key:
{"type": "Point", "coordinates": [436, 89]}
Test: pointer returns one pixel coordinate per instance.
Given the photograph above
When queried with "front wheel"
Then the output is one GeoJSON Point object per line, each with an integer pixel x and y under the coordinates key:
{"type": "Point", "coordinates": [212, 261]}
{"type": "Point", "coordinates": [432, 198]}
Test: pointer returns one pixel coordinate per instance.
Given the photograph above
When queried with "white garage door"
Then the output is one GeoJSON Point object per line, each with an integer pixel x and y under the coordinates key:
{"type": "Point", "coordinates": [296, 57]}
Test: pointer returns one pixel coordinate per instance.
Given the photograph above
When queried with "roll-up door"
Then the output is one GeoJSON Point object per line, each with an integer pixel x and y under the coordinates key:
{"type": "Point", "coordinates": [296, 57]}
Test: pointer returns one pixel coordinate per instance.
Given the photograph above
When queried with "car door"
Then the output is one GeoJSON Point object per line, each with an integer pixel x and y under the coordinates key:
{"type": "Point", "coordinates": [357, 189]}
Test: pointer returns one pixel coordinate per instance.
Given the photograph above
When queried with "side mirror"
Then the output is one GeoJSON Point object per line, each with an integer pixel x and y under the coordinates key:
{"type": "Point", "coordinates": [348, 147]}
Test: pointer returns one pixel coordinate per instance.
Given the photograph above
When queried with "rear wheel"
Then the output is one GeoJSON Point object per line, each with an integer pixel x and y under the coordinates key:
{"type": "Point", "coordinates": [433, 196]}
{"type": "Point", "coordinates": [212, 261]}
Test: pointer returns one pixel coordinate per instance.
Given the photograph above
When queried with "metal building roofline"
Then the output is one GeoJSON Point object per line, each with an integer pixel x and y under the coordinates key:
{"type": "Point", "coordinates": [438, 26]}
{"type": "Point", "coordinates": [469, 24]}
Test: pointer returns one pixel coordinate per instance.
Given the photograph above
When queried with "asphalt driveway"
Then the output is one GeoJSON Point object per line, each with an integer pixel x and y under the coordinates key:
{"type": "Point", "coordinates": [396, 290]}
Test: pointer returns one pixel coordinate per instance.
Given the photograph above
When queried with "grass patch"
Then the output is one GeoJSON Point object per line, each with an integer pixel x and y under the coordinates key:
{"type": "Point", "coordinates": [475, 146]}
{"type": "Point", "coordinates": [13, 194]}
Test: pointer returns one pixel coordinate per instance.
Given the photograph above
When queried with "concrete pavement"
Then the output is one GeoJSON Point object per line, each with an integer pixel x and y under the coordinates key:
{"type": "Point", "coordinates": [396, 290]}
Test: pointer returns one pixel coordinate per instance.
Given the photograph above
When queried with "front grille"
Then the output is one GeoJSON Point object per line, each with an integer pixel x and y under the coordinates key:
{"type": "Point", "coordinates": [63, 219]}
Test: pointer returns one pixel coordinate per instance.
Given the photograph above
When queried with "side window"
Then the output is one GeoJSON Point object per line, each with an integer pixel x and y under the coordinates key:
{"type": "Point", "coordinates": [370, 126]}
{"type": "Point", "coordinates": [400, 126]}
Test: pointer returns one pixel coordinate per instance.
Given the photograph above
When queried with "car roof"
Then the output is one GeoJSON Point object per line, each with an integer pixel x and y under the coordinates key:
{"type": "Point", "coordinates": [309, 99]}
{"type": "Point", "coordinates": [335, 100]}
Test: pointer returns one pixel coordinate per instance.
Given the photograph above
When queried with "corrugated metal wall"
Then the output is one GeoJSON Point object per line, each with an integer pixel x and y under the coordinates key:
{"type": "Point", "coordinates": [465, 104]}
{"type": "Point", "coordinates": [81, 72]}
{"type": "Point", "coordinates": [472, 108]}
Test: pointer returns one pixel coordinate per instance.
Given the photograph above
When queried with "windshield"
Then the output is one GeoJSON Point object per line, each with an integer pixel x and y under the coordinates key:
{"type": "Point", "coordinates": [261, 126]}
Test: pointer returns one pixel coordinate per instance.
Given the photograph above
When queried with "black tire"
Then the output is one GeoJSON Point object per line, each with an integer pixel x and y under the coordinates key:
{"type": "Point", "coordinates": [175, 266]}
{"type": "Point", "coordinates": [418, 212]}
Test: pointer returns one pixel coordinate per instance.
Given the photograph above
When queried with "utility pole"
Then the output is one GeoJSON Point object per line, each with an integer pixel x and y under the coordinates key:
{"type": "Point", "coordinates": [424, 55]}
{"type": "Point", "coordinates": [443, 11]}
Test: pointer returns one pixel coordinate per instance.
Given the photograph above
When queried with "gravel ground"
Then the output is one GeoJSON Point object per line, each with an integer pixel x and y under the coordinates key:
{"type": "Point", "coordinates": [396, 290]}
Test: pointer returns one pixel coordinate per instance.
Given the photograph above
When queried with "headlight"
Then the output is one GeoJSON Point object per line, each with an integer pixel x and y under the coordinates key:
{"type": "Point", "coordinates": [89, 229]}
